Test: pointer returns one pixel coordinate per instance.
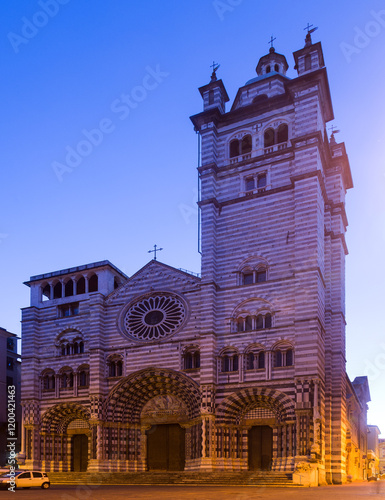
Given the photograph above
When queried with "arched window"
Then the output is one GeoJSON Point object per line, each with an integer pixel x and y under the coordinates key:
{"type": "Point", "coordinates": [81, 286]}
{"type": "Point", "coordinates": [261, 360]}
{"type": "Point", "coordinates": [268, 69]}
{"type": "Point", "coordinates": [75, 348]}
{"type": "Point", "coordinates": [81, 347]}
{"type": "Point", "coordinates": [259, 322]}
{"type": "Point", "coordinates": [248, 278]}
{"type": "Point", "coordinates": [191, 359]}
{"type": "Point", "coordinates": [112, 370]}
{"type": "Point", "coordinates": [255, 360]}
{"type": "Point", "coordinates": [230, 362]}
{"type": "Point", "coordinates": [261, 275]}
{"type": "Point", "coordinates": [246, 144]}
{"type": "Point", "coordinates": [68, 349]}
{"type": "Point", "coordinates": [240, 325]}
{"type": "Point", "coordinates": [69, 288]}
{"type": "Point", "coordinates": [278, 358]}
{"type": "Point", "coordinates": [211, 97]}
{"type": "Point", "coordinates": [48, 380]}
{"type": "Point", "coordinates": [83, 378]}
{"type": "Point", "coordinates": [268, 138]}
{"type": "Point", "coordinates": [67, 379]}
{"type": "Point", "coordinates": [63, 350]}
{"type": "Point", "coordinates": [115, 367]}
{"type": "Point", "coordinates": [93, 283]}
{"type": "Point", "coordinates": [276, 68]}
{"type": "Point", "coordinates": [250, 361]}
{"type": "Point", "coordinates": [249, 324]}
{"type": "Point", "coordinates": [289, 357]}
{"type": "Point", "coordinates": [268, 320]}
{"type": "Point", "coordinates": [234, 148]}
{"type": "Point", "coordinates": [188, 361]}
{"type": "Point", "coordinates": [57, 291]}
{"type": "Point", "coordinates": [282, 133]}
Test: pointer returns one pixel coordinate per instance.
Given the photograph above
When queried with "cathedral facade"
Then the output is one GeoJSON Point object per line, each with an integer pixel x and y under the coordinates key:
{"type": "Point", "coordinates": [241, 368]}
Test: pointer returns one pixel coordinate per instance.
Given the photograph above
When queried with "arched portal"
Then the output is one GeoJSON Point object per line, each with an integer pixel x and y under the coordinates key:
{"type": "Point", "coordinates": [65, 438]}
{"type": "Point", "coordinates": [264, 420]}
{"type": "Point", "coordinates": [158, 411]}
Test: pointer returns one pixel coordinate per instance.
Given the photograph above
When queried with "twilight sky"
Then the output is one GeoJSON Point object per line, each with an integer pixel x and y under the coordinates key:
{"type": "Point", "coordinates": [123, 77]}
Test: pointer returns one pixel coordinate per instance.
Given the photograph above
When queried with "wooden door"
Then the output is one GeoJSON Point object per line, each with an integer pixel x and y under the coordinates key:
{"type": "Point", "coordinates": [166, 447]}
{"type": "Point", "coordinates": [79, 453]}
{"type": "Point", "coordinates": [260, 447]}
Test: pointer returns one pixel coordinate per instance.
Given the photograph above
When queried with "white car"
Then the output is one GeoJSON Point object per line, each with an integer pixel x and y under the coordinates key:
{"type": "Point", "coordinates": [25, 479]}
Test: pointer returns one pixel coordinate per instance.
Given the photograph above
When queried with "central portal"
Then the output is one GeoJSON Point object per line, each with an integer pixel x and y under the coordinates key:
{"type": "Point", "coordinates": [166, 447]}
{"type": "Point", "coordinates": [260, 446]}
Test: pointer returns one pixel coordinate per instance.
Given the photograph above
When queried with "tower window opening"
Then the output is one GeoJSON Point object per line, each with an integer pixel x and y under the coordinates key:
{"type": "Point", "coordinates": [268, 138]}
{"type": "Point", "coordinates": [307, 62]}
{"type": "Point", "coordinates": [276, 68]}
{"type": "Point", "coordinates": [282, 133]}
{"type": "Point", "coordinates": [211, 97]}
{"type": "Point", "coordinates": [249, 184]}
{"type": "Point", "coordinates": [259, 323]}
{"type": "Point", "coordinates": [261, 181]}
{"type": "Point", "coordinates": [268, 69]}
{"type": "Point", "coordinates": [246, 144]}
{"type": "Point", "coordinates": [234, 148]}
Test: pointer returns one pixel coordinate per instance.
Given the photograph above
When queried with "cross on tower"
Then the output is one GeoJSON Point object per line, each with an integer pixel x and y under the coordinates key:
{"type": "Point", "coordinates": [271, 41]}
{"type": "Point", "coordinates": [215, 66]}
{"type": "Point", "coordinates": [334, 129]}
{"type": "Point", "coordinates": [309, 30]}
{"type": "Point", "coordinates": [156, 249]}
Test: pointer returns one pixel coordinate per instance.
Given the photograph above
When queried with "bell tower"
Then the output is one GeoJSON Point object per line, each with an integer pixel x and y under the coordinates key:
{"type": "Point", "coordinates": [273, 245]}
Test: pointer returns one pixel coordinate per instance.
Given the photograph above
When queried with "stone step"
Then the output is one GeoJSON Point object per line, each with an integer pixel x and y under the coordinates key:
{"type": "Point", "coordinates": [260, 478]}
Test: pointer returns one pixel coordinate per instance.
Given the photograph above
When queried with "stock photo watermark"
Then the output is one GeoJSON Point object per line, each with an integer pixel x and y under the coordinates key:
{"type": "Point", "coordinates": [363, 35]}
{"type": "Point", "coordinates": [374, 369]}
{"type": "Point", "coordinates": [222, 7]}
{"type": "Point", "coordinates": [189, 212]}
{"type": "Point", "coordinates": [31, 27]}
{"type": "Point", "coordinates": [121, 107]}
{"type": "Point", "coordinates": [11, 436]}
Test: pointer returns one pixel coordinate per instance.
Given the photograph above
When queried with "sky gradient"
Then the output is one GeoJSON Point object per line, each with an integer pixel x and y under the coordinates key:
{"type": "Point", "coordinates": [75, 70]}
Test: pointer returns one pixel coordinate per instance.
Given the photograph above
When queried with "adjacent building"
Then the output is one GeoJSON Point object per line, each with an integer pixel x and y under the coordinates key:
{"type": "Point", "coordinates": [10, 374]}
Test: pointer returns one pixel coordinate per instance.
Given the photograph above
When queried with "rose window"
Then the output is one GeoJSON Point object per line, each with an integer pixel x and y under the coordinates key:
{"type": "Point", "coordinates": [155, 317]}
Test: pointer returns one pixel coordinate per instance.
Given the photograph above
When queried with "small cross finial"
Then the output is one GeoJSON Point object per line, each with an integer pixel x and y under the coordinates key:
{"type": "Point", "coordinates": [271, 41]}
{"type": "Point", "coordinates": [310, 30]}
{"type": "Point", "coordinates": [215, 67]}
{"type": "Point", "coordinates": [156, 249]}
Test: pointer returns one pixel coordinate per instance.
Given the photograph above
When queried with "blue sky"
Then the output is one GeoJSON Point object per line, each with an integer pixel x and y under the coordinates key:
{"type": "Point", "coordinates": [137, 185]}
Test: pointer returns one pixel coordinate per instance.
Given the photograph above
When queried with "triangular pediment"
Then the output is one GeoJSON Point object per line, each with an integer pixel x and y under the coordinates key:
{"type": "Point", "coordinates": [155, 276]}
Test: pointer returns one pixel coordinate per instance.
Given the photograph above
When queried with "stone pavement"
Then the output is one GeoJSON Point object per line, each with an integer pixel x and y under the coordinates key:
{"type": "Point", "coordinates": [355, 491]}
